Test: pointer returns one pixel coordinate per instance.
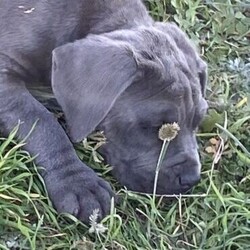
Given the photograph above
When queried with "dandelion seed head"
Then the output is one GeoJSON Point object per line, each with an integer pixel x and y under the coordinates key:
{"type": "Point", "coordinates": [168, 131]}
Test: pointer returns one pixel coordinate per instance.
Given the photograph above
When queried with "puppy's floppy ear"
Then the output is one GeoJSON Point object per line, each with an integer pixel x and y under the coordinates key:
{"type": "Point", "coordinates": [87, 78]}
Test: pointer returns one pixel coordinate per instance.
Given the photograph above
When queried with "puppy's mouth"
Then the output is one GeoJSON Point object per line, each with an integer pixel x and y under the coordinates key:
{"type": "Point", "coordinates": [172, 189]}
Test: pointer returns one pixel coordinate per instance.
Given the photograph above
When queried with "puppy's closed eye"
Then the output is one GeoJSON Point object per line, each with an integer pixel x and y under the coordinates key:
{"type": "Point", "coordinates": [149, 126]}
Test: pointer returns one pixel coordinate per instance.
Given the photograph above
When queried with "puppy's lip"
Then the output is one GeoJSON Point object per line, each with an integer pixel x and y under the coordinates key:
{"type": "Point", "coordinates": [144, 187]}
{"type": "Point", "coordinates": [185, 189]}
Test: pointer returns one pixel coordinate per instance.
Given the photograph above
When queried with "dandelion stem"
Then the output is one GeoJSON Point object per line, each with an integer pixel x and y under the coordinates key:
{"type": "Point", "coordinates": [159, 163]}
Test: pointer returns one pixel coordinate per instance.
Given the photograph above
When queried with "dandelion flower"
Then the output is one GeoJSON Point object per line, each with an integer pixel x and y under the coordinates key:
{"type": "Point", "coordinates": [167, 133]}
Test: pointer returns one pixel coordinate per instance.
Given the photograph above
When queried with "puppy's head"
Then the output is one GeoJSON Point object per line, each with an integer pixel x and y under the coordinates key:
{"type": "Point", "coordinates": [129, 83]}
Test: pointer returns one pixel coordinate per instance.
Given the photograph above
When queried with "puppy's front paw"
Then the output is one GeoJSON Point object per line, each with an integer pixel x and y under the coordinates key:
{"type": "Point", "coordinates": [78, 192]}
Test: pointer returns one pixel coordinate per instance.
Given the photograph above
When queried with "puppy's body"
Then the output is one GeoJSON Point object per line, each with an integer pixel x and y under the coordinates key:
{"type": "Point", "coordinates": [30, 30]}
{"type": "Point", "coordinates": [113, 68]}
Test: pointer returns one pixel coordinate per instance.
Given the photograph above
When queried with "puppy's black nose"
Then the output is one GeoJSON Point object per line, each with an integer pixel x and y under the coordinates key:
{"type": "Point", "coordinates": [189, 179]}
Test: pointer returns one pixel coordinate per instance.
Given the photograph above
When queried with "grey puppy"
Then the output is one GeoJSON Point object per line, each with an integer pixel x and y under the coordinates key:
{"type": "Point", "coordinates": [127, 76]}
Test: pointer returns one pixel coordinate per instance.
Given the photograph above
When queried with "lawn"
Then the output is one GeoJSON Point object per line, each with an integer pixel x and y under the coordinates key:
{"type": "Point", "coordinates": [216, 215]}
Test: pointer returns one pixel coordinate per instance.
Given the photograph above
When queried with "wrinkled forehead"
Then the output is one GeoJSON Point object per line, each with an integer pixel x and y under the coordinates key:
{"type": "Point", "coordinates": [176, 74]}
{"type": "Point", "coordinates": [174, 57]}
{"type": "Point", "coordinates": [180, 64]}
{"type": "Point", "coordinates": [177, 86]}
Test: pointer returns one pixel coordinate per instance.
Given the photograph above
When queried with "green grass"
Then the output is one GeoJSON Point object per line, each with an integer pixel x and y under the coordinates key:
{"type": "Point", "coordinates": [215, 216]}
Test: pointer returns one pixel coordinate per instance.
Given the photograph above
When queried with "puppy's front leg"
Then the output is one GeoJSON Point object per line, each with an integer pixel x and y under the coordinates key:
{"type": "Point", "coordinates": [72, 186]}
